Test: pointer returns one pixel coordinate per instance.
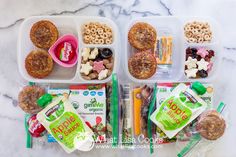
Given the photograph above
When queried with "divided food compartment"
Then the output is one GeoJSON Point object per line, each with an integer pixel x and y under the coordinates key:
{"type": "Point", "coordinates": [65, 25]}
{"type": "Point", "coordinates": [214, 45]}
{"type": "Point", "coordinates": [174, 26]}
{"type": "Point", "coordinates": [164, 26]}
{"type": "Point", "coordinates": [113, 46]}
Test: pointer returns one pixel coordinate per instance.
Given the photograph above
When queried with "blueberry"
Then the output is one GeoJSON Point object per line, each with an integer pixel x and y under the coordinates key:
{"type": "Point", "coordinates": [99, 57]}
{"type": "Point", "coordinates": [106, 53]}
{"type": "Point", "coordinates": [194, 56]}
{"type": "Point", "coordinates": [202, 73]}
{"type": "Point", "coordinates": [194, 50]}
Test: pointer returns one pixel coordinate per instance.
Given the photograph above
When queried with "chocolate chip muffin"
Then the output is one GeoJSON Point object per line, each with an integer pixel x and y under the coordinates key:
{"type": "Point", "coordinates": [211, 125]}
{"type": "Point", "coordinates": [44, 34]}
{"type": "Point", "coordinates": [28, 97]}
{"type": "Point", "coordinates": [142, 65]}
{"type": "Point", "coordinates": [38, 64]}
{"type": "Point", "coordinates": [142, 36]}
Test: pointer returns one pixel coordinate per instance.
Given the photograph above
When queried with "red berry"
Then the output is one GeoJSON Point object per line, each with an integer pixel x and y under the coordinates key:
{"type": "Point", "coordinates": [207, 58]}
{"type": "Point", "coordinates": [188, 50]}
{"type": "Point", "coordinates": [211, 53]}
{"type": "Point", "coordinates": [199, 57]}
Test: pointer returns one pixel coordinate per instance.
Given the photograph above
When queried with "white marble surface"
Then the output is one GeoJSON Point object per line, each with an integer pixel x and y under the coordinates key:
{"type": "Point", "coordinates": [12, 13]}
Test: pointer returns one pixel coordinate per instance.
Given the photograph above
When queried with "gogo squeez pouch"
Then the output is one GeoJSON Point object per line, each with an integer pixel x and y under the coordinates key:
{"type": "Point", "coordinates": [180, 108]}
{"type": "Point", "coordinates": [62, 121]}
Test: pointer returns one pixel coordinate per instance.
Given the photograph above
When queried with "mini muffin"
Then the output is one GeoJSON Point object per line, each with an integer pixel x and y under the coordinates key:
{"type": "Point", "coordinates": [142, 65]}
{"type": "Point", "coordinates": [142, 36]}
{"type": "Point", "coordinates": [211, 125]}
{"type": "Point", "coordinates": [28, 97]}
{"type": "Point", "coordinates": [39, 63]}
{"type": "Point", "coordinates": [44, 34]}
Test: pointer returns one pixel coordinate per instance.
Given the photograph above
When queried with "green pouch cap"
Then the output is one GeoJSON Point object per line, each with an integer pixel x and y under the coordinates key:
{"type": "Point", "coordinates": [198, 88]}
{"type": "Point", "coordinates": [44, 100]}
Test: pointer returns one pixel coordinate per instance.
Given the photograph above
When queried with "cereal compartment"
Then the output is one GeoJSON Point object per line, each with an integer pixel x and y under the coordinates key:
{"type": "Point", "coordinates": [97, 33]}
{"type": "Point", "coordinates": [203, 51]}
{"type": "Point", "coordinates": [99, 49]}
{"type": "Point", "coordinates": [200, 31]}
{"type": "Point", "coordinates": [49, 47]}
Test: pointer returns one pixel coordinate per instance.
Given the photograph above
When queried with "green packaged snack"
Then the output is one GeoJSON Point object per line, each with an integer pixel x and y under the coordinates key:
{"type": "Point", "coordinates": [64, 124]}
{"type": "Point", "coordinates": [180, 108]}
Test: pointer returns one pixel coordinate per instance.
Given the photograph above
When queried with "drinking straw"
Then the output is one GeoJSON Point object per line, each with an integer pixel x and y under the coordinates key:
{"type": "Point", "coordinates": [149, 124]}
{"type": "Point", "coordinates": [195, 139]}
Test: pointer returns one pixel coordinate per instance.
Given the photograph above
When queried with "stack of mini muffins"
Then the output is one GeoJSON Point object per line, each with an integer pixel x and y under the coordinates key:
{"type": "Point", "coordinates": [38, 62]}
{"type": "Point", "coordinates": [142, 64]}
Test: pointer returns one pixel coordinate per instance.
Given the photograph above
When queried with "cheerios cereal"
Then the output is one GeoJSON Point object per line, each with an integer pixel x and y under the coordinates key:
{"type": "Point", "coordinates": [97, 33]}
{"type": "Point", "coordinates": [197, 32]}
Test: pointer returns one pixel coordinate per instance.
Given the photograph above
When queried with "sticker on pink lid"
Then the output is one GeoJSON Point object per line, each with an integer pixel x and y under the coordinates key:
{"type": "Point", "coordinates": [65, 51]}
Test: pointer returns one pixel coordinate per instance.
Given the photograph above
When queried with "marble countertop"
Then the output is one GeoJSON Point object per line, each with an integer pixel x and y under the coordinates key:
{"type": "Point", "coordinates": [13, 12]}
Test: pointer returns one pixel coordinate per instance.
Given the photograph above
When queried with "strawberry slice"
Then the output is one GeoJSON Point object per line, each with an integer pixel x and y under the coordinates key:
{"type": "Point", "coordinates": [98, 120]}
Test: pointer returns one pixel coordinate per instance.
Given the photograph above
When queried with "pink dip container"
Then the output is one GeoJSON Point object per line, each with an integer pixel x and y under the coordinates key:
{"type": "Point", "coordinates": [65, 38]}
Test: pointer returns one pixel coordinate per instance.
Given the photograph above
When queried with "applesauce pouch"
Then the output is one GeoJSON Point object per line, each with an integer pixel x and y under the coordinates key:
{"type": "Point", "coordinates": [62, 121]}
{"type": "Point", "coordinates": [180, 108]}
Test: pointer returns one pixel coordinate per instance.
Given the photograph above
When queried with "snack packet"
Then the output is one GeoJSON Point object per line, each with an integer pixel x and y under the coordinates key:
{"type": "Point", "coordinates": [163, 92]}
{"type": "Point", "coordinates": [164, 50]}
{"type": "Point", "coordinates": [90, 103]}
{"type": "Point", "coordinates": [64, 124]}
{"type": "Point", "coordinates": [180, 108]}
{"type": "Point", "coordinates": [126, 117]}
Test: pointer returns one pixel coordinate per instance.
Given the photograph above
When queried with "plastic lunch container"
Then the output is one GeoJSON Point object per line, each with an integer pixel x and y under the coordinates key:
{"type": "Point", "coordinates": [174, 26]}
{"type": "Point", "coordinates": [66, 25]}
